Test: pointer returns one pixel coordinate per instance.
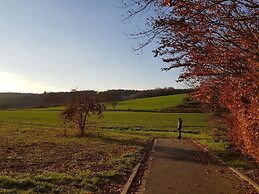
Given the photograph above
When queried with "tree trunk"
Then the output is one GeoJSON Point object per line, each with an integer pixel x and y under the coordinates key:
{"type": "Point", "coordinates": [81, 131]}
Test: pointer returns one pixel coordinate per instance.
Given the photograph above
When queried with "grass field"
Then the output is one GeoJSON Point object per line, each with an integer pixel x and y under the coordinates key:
{"type": "Point", "coordinates": [151, 104]}
{"type": "Point", "coordinates": [39, 154]}
{"type": "Point", "coordinates": [36, 157]}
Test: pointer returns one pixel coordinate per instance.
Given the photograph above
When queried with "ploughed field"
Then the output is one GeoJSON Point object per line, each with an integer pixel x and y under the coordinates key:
{"type": "Point", "coordinates": [38, 153]}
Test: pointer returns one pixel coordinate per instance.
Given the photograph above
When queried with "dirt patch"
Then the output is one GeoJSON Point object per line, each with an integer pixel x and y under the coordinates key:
{"type": "Point", "coordinates": [58, 157]}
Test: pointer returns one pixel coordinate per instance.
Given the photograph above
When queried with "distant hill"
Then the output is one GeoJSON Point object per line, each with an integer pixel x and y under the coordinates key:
{"type": "Point", "coordinates": [173, 103]}
{"type": "Point", "coordinates": [150, 104]}
{"type": "Point", "coordinates": [14, 95]}
{"type": "Point", "coordinates": [169, 103]}
{"type": "Point", "coordinates": [16, 100]}
{"type": "Point", "coordinates": [28, 100]}
{"type": "Point", "coordinates": [159, 92]}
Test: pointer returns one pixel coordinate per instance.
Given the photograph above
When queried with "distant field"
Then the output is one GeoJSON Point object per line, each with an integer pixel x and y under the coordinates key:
{"type": "Point", "coordinates": [153, 103]}
{"type": "Point", "coordinates": [141, 104]}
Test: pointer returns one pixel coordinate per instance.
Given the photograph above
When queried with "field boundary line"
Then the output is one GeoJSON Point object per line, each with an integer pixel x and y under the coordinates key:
{"type": "Point", "coordinates": [132, 177]}
{"type": "Point", "coordinates": [241, 176]}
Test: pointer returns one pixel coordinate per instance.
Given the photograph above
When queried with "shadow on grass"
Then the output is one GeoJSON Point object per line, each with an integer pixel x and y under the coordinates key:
{"type": "Point", "coordinates": [140, 128]}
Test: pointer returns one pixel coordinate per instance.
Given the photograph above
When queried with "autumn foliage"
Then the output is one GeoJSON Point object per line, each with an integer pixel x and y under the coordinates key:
{"type": "Point", "coordinates": [216, 44]}
{"type": "Point", "coordinates": [80, 108]}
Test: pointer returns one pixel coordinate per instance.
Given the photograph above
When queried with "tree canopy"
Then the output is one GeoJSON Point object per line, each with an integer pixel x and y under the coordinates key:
{"type": "Point", "coordinates": [80, 108]}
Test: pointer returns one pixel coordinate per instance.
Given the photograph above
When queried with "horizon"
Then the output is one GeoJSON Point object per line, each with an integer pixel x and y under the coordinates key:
{"type": "Point", "coordinates": [80, 90]}
{"type": "Point", "coordinates": [60, 45]}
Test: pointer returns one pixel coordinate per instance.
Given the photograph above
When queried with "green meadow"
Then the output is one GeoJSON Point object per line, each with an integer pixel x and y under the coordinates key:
{"type": "Point", "coordinates": [150, 104]}
{"type": "Point", "coordinates": [39, 154]}
{"type": "Point", "coordinates": [109, 119]}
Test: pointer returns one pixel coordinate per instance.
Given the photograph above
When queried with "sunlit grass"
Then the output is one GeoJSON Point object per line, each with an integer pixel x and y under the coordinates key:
{"type": "Point", "coordinates": [152, 104]}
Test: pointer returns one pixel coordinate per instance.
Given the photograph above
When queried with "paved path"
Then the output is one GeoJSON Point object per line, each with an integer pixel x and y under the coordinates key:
{"type": "Point", "coordinates": [179, 166]}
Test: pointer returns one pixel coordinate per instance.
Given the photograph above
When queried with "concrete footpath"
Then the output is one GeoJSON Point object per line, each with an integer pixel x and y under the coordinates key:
{"type": "Point", "coordinates": [179, 166]}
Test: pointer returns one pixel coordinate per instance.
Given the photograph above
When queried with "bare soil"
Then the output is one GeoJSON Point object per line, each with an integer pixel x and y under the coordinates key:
{"type": "Point", "coordinates": [58, 157]}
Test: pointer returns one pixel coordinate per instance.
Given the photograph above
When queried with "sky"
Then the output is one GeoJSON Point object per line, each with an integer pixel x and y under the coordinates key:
{"type": "Point", "coordinates": [60, 45]}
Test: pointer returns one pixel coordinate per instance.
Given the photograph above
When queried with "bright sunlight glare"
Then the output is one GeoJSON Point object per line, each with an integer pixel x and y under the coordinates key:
{"type": "Point", "coordinates": [15, 83]}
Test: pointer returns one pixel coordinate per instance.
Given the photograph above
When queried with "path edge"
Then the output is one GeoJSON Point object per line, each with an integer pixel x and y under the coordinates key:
{"type": "Point", "coordinates": [134, 173]}
{"type": "Point", "coordinates": [241, 176]}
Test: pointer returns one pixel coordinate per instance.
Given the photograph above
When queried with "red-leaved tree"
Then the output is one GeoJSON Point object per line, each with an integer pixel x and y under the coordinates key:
{"type": "Point", "coordinates": [80, 108]}
{"type": "Point", "coordinates": [216, 44]}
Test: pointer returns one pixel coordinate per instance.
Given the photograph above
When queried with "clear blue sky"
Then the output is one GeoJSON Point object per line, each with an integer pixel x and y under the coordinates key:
{"type": "Point", "coordinates": [58, 45]}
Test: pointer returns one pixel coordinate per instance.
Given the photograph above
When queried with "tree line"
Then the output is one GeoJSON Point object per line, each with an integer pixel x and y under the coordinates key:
{"type": "Point", "coordinates": [47, 99]}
